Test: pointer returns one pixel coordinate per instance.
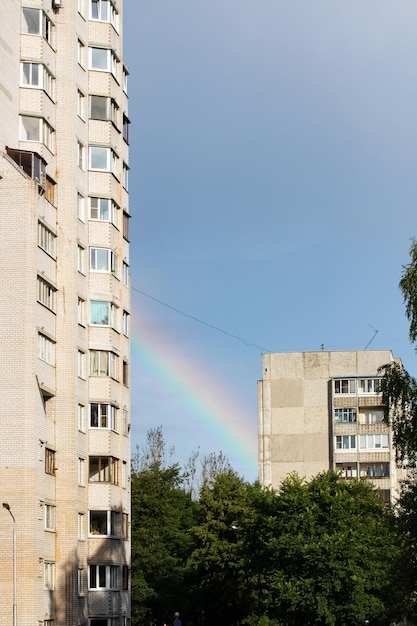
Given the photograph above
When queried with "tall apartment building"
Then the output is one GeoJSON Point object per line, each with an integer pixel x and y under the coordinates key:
{"type": "Point", "coordinates": [64, 314]}
{"type": "Point", "coordinates": [323, 410]}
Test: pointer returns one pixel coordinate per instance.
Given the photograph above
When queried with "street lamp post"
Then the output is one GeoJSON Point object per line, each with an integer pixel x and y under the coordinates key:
{"type": "Point", "coordinates": [7, 507]}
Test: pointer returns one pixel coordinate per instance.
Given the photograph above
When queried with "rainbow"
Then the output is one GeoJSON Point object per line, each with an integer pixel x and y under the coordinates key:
{"type": "Point", "coordinates": [212, 414]}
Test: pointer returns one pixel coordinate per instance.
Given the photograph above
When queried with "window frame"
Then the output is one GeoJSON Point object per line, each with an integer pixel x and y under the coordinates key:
{"type": "Point", "coordinates": [104, 420]}
{"type": "Point", "coordinates": [95, 577]}
{"type": "Point", "coordinates": [50, 517]}
{"type": "Point", "coordinates": [107, 469]}
{"type": "Point", "coordinates": [110, 522]}
{"type": "Point", "coordinates": [98, 263]}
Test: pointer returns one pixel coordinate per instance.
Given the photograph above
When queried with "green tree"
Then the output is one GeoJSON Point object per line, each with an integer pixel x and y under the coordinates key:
{"type": "Point", "coordinates": [162, 513]}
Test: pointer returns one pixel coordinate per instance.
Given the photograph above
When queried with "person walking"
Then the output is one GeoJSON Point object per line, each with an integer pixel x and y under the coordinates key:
{"type": "Point", "coordinates": [177, 621]}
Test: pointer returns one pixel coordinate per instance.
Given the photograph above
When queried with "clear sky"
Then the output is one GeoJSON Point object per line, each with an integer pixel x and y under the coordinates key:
{"type": "Point", "coordinates": [273, 192]}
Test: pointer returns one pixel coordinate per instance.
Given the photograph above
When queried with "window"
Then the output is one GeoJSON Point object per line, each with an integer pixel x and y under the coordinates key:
{"type": "Point", "coordinates": [125, 425]}
{"type": "Point", "coordinates": [124, 475]}
{"type": "Point", "coordinates": [125, 273]}
{"type": "Point", "coordinates": [46, 240]}
{"type": "Point", "coordinates": [102, 415]}
{"type": "Point", "coordinates": [126, 124]}
{"type": "Point", "coordinates": [125, 577]}
{"type": "Point", "coordinates": [80, 104]}
{"type": "Point", "coordinates": [36, 129]}
{"type": "Point", "coordinates": [103, 60]}
{"type": "Point", "coordinates": [49, 575]}
{"type": "Point", "coordinates": [81, 311]}
{"type": "Point", "coordinates": [347, 471]}
{"type": "Point", "coordinates": [81, 364]}
{"type": "Point", "coordinates": [345, 442]}
{"type": "Point", "coordinates": [104, 11]}
{"type": "Point", "coordinates": [125, 526]}
{"type": "Point", "coordinates": [374, 470]}
{"type": "Point", "coordinates": [369, 385]}
{"type": "Point", "coordinates": [80, 259]}
{"type": "Point", "coordinates": [374, 442]}
{"type": "Point", "coordinates": [345, 385]}
{"type": "Point", "coordinates": [49, 517]}
{"type": "Point", "coordinates": [125, 79]}
{"type": "Point", "coordinates": [104, 108]}
{"type": "Point", "coordinates": [46, 349]}
{"type": "Point", "coordinates": [104, 523]}
{"type": "Point", "coordinates": [81, 155]}
{"type": "Point", "coordinates": [125, 323]}
{"type": "Point", "coordinates": [345, 415]}
{"type": "Point", "coordinates": [126, 218]}
{"type": "Point", "coordinates": [81, 417]}
{"type": "Point", "coordinates": [125, 376]}
{"type": "Point", "coordinates": [102, 159]}
{"type": "Point", "coordinates": [81, 53]}
{"type": "Point", "coordinates": [49, 461]}
{"type": "Point", "coordinates": [103, 313]}
{"type": "Point", "coordinates": [80, 207]}
{"type": "Point", "coordinates": [103, 576]}
{"type": "Point", "coordinates": [125, 176]}
{"type": "Point", "coordinates": [80, 526]}
{"type": "Point", "coordinates": [36, 22]}
{"type": "Point", "coordinates": [81, 472]}
{"type": "Point", "coordinates": [103, 363]}
{"type": "Point", "coordinates": [46, 294]}
{"type": "Point", "coordinates": [80, 582]}
{"type": "Point", "coordinates": [103, 469]}
{"type": "Point", "coordinates": [373, 416]}
{"type": "Point", "coordinates": [102, 260]}
{"type": "Point", "coordinates": [37, 76]}
{"type": "Point", "coordinates": [102, 209]}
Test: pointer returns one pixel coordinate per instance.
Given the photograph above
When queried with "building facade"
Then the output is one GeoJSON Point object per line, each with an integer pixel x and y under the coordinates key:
{"type": "Point", "coordinates": [64, 314]}
{"type": "Point", "coordinates": [323, 410]}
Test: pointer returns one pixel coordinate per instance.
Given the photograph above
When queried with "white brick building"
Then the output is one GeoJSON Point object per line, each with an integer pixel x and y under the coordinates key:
{"type": "Point", "coordinates": [64, 314]}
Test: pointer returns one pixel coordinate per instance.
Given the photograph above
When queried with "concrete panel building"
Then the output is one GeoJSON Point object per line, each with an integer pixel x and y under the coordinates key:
{"type": "Point", "coordinates": [323, 410]}
{"type": "Point", "coordinates": [64, 315]}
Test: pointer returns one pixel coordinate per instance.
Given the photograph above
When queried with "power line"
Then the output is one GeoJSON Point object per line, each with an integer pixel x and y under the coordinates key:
{"type": "Point", "coordinates": [200, 321]}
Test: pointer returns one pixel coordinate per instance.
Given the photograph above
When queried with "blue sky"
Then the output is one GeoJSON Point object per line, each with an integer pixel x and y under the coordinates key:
{"type": "Point", "coordinates": [273, 193]}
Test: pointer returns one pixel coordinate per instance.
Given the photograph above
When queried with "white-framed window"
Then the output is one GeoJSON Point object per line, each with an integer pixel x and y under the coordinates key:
{"type": "Point", "coordinates": [103, 313]}
{"type": "Point", "coordinates": [102, 209]}
{"type": "Point", "coordinates": [124, 475]}
{"type": "Point", "coordinates": [80, 206]}
{"type": "Point", "coordinates": [103, 469]}
{"type": "Point", "coordinates": [46, 240]}
{"type": "Point", "coordinates": [102, 159]}
{"type": "Point", "coordinates": [81, 364]}
{"type": "Point", "coordinates": [81, 472]}
{"type": "Point", "coordinates": [80, 582]}
{"type": "Point", "coordinates": [104, 108]}
{"type": "Point", "coordinates": [103, 363]}
{"type": "Point", "coordinates": [80, 526]}
{"type": "Point", "coordinates": [125, 78]}
{"type": "Point", "coordinates": [125, 273]}
{"type": "Point", "coordinates": [81, 417]}
{"type": "Point", "coordinates": [102, 415]}
{"type": "Point", "coordinates": [345, 442]}
{"type": "Point", "coordinates": [80, 259]}
{"type": "Point", "coordinates": [373, 416]}
{"type": "Point", "coordinates": [369, 385]}
{"type": "Point", "coordinates": [103, 60]}
{"type": "Point", "coordinates": [378, 441]}
{"type": "Point", "coordinates": [49, 517]}
{"type": "Point", "coordinates": [81, 155]}
{"type": "Point", "coordinates": [125, 423]}
{"type": "Point", "coordinates": [125, 323]}
{"type": "Point", "coordinates": [102, 260]}
{"type": "Point", "coordinates": [374, 470]}
{"type": "Point", "coordinates": [36, 76]}
{"type": "Point", "coordinates": [46, 349]}
{"type": "Point", "coordinates": [81, 9]}
{"type": "Point", "coordinates": [125, 176]}
{"type": "Point", "coordinates": [103, 576]}
{"type": "Point", "coordinates": [36, 22]}
{"type": "Point", "coordinates": [125, 373]}
{"type": "Point", "coordinates": [345, 415]}
{"type": "Point", "coordinates": [46, 294]}
{"type": "Point", "coordinates": [81, 53]}
{"type": "Point", "coordinates": [104, 11]}
{"type": "Point", "coordinates": [104, 523]}
{"type": "Point", "coordinates": [81, 104]}
{"type": "Point", "coordinates": [37, 129]}
{"type": "Point", "coordinates": [347, 470]}
{"type": "Point", "coordinates": [344, 385]}
{"type": "Point", "coordinates": [81, 311]}
{"type": "Point", "coordinates": [49, 575]}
